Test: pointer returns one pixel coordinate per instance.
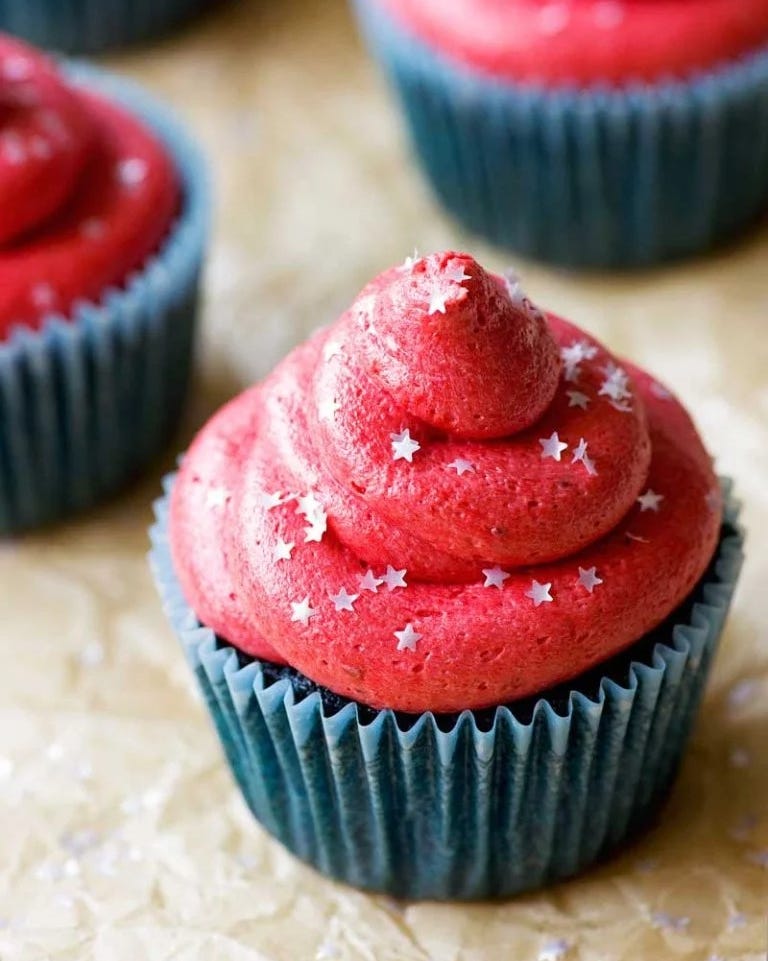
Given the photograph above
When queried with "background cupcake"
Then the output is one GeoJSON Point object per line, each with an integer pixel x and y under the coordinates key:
{"type": "Point", "coordinates": [102, 232]}
{"type": "Point", "coordinates": [597, 133]}
{"type": "Point", "coordinates": [88, 26]}
{"type": "Point", "coordinates": [451, 607]}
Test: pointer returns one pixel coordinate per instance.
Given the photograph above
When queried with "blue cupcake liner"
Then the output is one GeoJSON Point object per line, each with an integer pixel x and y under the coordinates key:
{"type": "Point", "coordinates": [90, 26]}
{"type": "Point", "coordinates": [474, 805]}
{"type": "Point", "coordinates": [86, 403]}
{"type": "Point", "coordinates": [592, 177]}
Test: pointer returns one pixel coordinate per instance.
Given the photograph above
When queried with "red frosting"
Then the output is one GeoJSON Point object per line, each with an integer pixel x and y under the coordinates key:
{"type": "Point", "coordinates": [431, 506]}
{"type": "Point", "coordinates": [561, 42]}
{"type": "Point", "coordinates": [86, 191]}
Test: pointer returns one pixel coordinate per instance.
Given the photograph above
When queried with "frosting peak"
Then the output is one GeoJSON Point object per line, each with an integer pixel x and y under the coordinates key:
{"type": "Point", "coordinates": [349, 516]}
{"type": "Point", "coordinates": [448, 343]}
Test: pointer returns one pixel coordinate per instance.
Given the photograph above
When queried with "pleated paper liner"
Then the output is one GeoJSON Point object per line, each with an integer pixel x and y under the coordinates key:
{"type": "Point", "coordinates": [584, 177]}
{"type": "Point", "coordinates": [482, 804]}
{"type": "Point", "coordinates": [87, 402]}
{"type": "Point", "coordinates": [90, 26]}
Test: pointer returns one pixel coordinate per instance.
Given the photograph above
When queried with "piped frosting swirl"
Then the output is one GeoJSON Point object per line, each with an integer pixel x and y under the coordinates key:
{"type": "Point", "coordinates": [447, 500]}
{"type": "Point", "coordinates": [86, 191]}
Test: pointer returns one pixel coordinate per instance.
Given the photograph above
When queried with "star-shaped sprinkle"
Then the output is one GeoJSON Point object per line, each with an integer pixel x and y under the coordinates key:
{"type": "Point", "coordinates": [327, 409]}
{"type": "Point", "coordinates": [588, 578]}
{"type": "Point", "coordinates": [318, 525]}
{"type": "Point", "coordinates": [577, 399]}
{"type": "Point", "coordinates": [649, 501]}
{"type": "Point", "coordinates": [309, 505]}
{"type": "Point", "coordinates": [495, 577]}
{"type": "Point", "coordinates": [616, 384]}
{"type": "Point", "coordinates": [539, 593]}
{"type": "Point", "coordinates": [457, 274]}
{"type": "Point", "coordinates": [438, 302]}
{"type": "Point", "coordinates": [462, 466]}
{"type": "Point", "coordinates": [132, 171]}
{"type": "Point", "coordinates": [580, 455]}
{"type": "Point", "coordinates": [217, 497]}
{"type": "Point", "coordinates": [271, 501]}
{"type": "Point", "coordinates": [369, 582]}
{"type": "Point", "coordinates": [343, 601]}
{"type": "Point", "coordinates": [283, 550]}
{"type": "Point", "coordinates": [578, 351]}
{"type": "Point", "coordinates": [404, 446]}
{"type": "Point", "coordinates": [410, 262]}
{"type": "Point", "coordinates": [552, 447]}
{"type": "Point", "coordinates": [302, 611]}
{"type": "Point", "coordinates": [407, 639]}
{"type": "Point", "coordinates": [394, 578]}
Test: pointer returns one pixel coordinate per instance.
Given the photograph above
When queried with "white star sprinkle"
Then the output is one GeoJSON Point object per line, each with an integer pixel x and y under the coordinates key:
{"type": "Point", "coordinates": [457, 274]}
{"type": "Point", "coordinates": [369, 582]}
{"type": "Point", "coordinates": [539, 593]}
{"type": "Point", "coordinates": [577, 351]}
{"type": "Point", "coordinates": [394, 578]}
{"type": "Point", "coordinates": [588, 578]}
{"type": "Point", "coordinates": [616, 384]}
{"type": "Point", "coordinates": [577, 399]}
{"type": "Point", "coordinates": [132, 171]}
{"type": "Point", "coordinates": [552, 447]}
{"type": "Point", "coordinates": [327, 409]}
{"type": "Point", "coordinates": [407, 639]}
{"type": "Point", "coordinates": [318, 525]}
{"type": "Point", "coordinates": [217, 497]}
{"type": "Point", "coordinates": [302, 611]}
{"type": "Point", "coordinates": [495, 577]}
{"type": "Point", "coordinates": [649, 501]}
{"type": "Point", "coordinates": [410, 262]}
{"type": "Point", "coordinates": [43, 295]}
{"type": "Point", "coordinates": [283, 550]}
{"type": "Point", "coordinates": [271, 501]}
{"type": "Point", "coordinates": [462, 466]}
{"type": "Point", "coordinates": [343, 601]}
{"type": "Point", "coordinates": [404, 446]}
{"type": "Point", "coordinates": [580, 455]}
{"type": "Point", "coordinates": [438, 302]}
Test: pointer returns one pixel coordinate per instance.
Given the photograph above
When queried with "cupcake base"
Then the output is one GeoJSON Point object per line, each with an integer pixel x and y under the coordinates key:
{"type": "Point", "coordinates": [90, 26]}
{"type": "Point", "coordinates": [585, 178]}
{"type": "Point", "coordinates": [87, 402]}
{"type": "Point", "coordinates": [482, 804]}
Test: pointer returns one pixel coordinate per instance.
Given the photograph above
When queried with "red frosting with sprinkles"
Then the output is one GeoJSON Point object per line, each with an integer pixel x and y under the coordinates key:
{"type": "Point", "coordinates": [87, 193]}
{"type": "Point", "coordinates": [447, 500]}
{"type": "Point", "coordinates": [584, 42]}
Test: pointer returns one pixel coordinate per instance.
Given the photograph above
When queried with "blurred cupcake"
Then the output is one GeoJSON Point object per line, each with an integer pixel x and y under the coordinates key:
{"type": "Point", "coordinates": [586, 132]}
{"type": "Point", "coordinates": [89, 26]}
{"type": "Point", "coordinates": [451, 580]}
{"type": "Point", "coordinates": [103, 210]}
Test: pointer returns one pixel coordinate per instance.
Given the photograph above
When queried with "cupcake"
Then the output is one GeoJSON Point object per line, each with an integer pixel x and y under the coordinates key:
{"type": "Point", "coordinates": [103, 212]}
{"type": "Point", "coordinates": [90, 26]}
{"type": "Point", "coordinates": [585, 132]}
{"type": "Point", "coordinates": [451, 580]}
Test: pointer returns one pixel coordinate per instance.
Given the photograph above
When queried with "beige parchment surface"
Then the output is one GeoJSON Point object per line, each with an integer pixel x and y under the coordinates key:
{"type": "Point", "coordinates": [121, 835]}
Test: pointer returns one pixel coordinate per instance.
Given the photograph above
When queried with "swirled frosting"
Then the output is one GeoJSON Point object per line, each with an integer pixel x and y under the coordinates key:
{"type": "Point", "coordinates": [447, 500]}
{"type": "Point", "coordinates": [584, 42]}
{"type": "Point", "coordinates": [86, 191]}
